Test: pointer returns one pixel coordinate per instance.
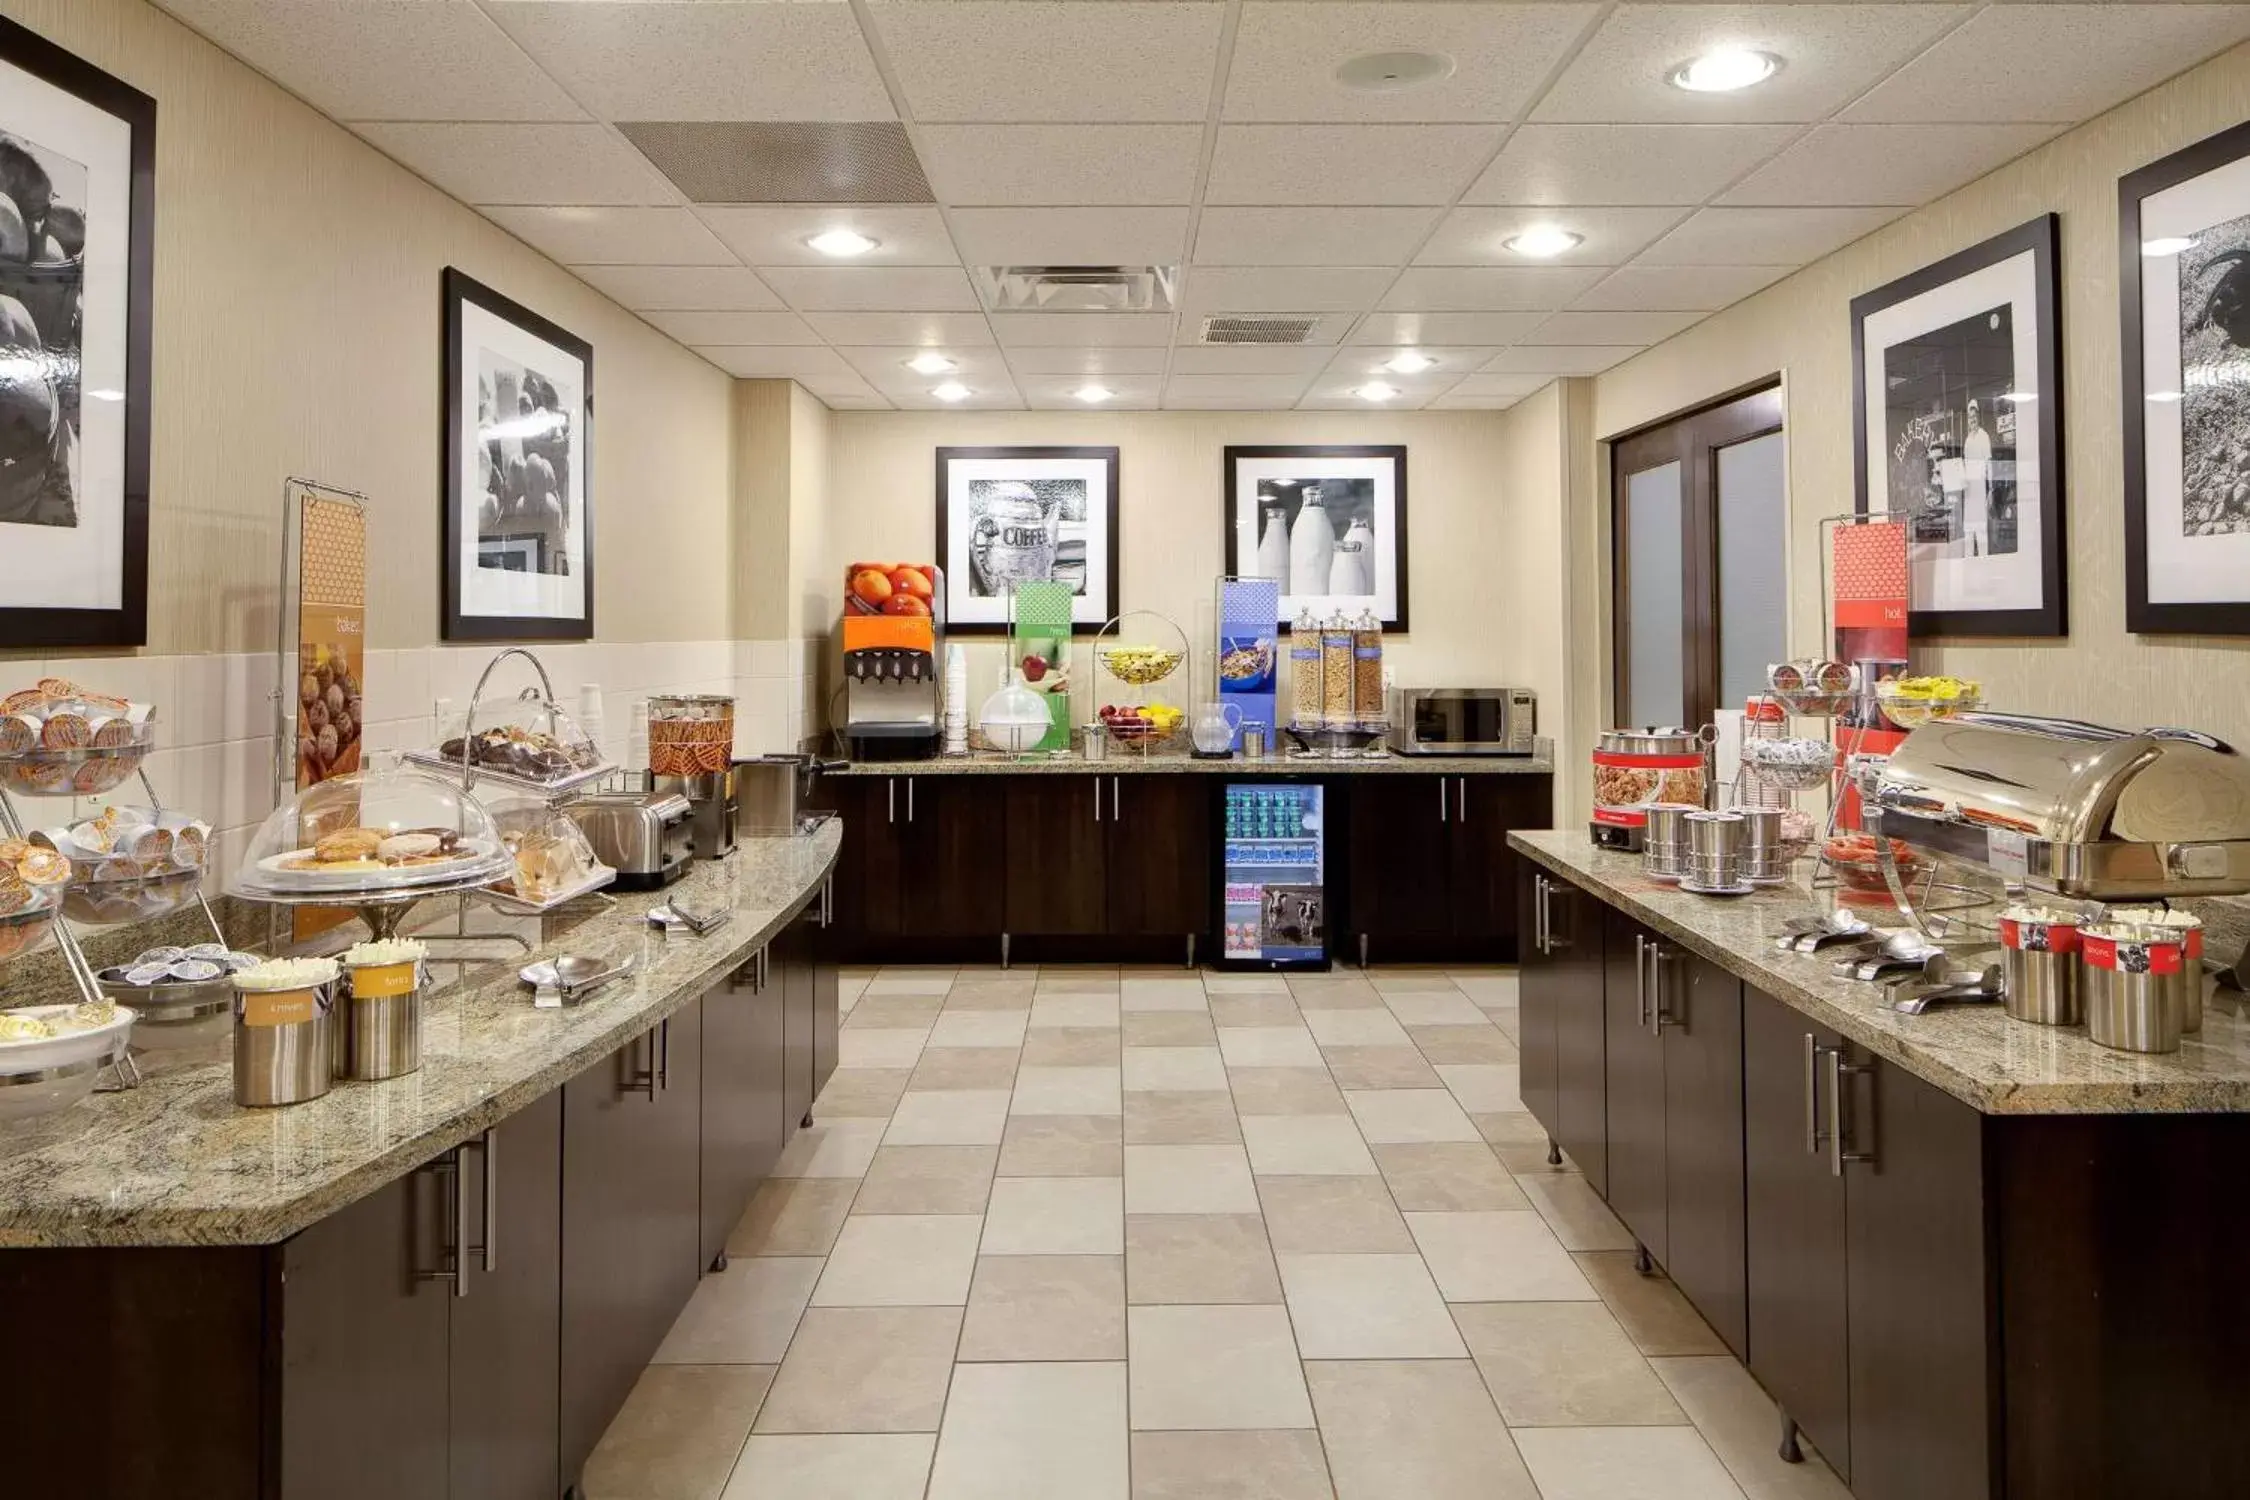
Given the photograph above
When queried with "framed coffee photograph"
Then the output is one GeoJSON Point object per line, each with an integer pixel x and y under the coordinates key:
{"type": "Point", "coordinates": [517, 533]}
{"type": "Point", "coordinates": [1957, 430]}
{"type": "Point", "coordinates": [1010, 515]}
{"type": "Point", "coordinates": [77, 261]}
{"type": "Point", "coordinates": [2184, 287]}
{"type": "Point", "coordinates": [1326, 522]}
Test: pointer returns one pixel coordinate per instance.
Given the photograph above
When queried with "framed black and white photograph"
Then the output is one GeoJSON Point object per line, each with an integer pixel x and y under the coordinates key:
{"type": "Point", "coordinates": [1328, 523]}
{"type": "Point", "coordinates": [518, 527]}
{"type": "Point", "coordinates": [77, 255]}
{"type": "Point", "coordinates": [2184, 284]}
{"type": "Point", "coordinates": [1010, 515]}
{"type": "Point", "coordinates": [1957, 429]}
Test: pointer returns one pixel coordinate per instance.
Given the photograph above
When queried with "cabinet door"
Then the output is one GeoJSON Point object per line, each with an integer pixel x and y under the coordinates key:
{"type": "Point", "coordinates": [789, 973]}
{"type": "Point", "coordinates": [827, 1017]}
{"type": "Point", "coordinates": [1636, 1083]}
{"type": "Point", "coordinates": [507, 1351]}
{"type": "Point", "coordinates": [1401, 853]}
{"type": "Point", "coordinates": [363, 1346]}
{"type": "Point", "coordinates": [1922, 1393]}
{"type": "Point", "coordinates": [1158, 838]}
{"type": "Point", "coordinates": [1485, 809]}
{"type": "Point", "coordinates": [1576, 947]}
{"type": "Point", "coordinates": [744, 1127]}
{"type": "Point", "coordinates": [871, 858]}
{"type": "Point", "coordinates": [1702, 1023]}
{"type": "Point", "coordinates": [949, 828]}
{"type": "Point", "coordinates": [1794, 1227]}
{"type": "Point", "coordinates": [1537, 979]}
{"type": "Point", "coordinates": [1054, 879]}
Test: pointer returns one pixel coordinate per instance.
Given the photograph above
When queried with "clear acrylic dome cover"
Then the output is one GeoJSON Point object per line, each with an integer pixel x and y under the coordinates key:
{"type": "Point", "coordinates": [387, 828]}
{"type": "Point", "coordinates": [551, 853]}
{"type": "Point", "coordinates": [527, 738]}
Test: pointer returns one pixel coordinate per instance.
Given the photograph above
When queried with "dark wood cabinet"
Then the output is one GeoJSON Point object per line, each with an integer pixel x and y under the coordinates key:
{"type": "Point", "coordinates": [1700, 1013]}
{"type": "Point", "coordinates": [1561, 1029]}
{"type": "Point", "coordinates": [745, 1121]}
{"type": "Point", "coordinates": [1635, 1065]}
{"type": "Point", "coordinates": [1538, 1000]}
{"type": "Point", "coordinates": [1401, 851]}
{"type": "Point", "coordinates": [1054, 874]}
{"type": "Point", "coordinates": [871, 857]}
{"type": "Point", "coordinates": [916, 859]}
{"type": "Point", "coordinates": [789, 974]}
{"type": "Point", "coordinates": [1157, 842]}
{"type": "Point", "coordinates": [827, 1016]}
{"type": "Point", "coordinates": [1483, 869]}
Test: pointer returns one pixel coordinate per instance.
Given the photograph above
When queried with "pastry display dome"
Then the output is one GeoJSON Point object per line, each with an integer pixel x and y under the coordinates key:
{"type": "Point", "coordinates": [525, 741]}
{"type": "Point", "coordinates": [389, 829]}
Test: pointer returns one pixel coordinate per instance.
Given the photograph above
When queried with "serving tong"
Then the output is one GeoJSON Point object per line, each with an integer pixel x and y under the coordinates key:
{"type": "Point", "coordinates": [675, 913]}
{"type": "Point", "coordinates": [570, 979]}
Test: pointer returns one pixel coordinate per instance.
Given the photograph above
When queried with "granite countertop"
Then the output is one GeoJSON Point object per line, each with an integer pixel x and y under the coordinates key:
{"type": "Point", "coordinates": [177, 1162]}
{"type": "Point", "coordinates": [1126, 763]}
{"type": "Point", "coordinates": [1976, 1054]}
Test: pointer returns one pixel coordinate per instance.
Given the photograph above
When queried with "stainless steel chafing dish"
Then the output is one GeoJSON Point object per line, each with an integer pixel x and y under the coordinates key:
{"type": "Point", "coordinates": [2077, 809]}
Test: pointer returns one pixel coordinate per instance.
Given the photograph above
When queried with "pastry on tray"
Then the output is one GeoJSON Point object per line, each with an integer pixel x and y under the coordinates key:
{"type": "Point", "coordinates": [355, 851]}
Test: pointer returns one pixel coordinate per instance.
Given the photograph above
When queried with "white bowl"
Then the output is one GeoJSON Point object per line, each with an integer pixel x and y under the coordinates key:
{"type": "Point", "coordinates": [39, 1077]}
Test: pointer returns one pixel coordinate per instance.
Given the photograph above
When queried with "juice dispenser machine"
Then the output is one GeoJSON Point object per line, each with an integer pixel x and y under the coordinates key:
{"type": "Point", "coordinates": [891, 634]}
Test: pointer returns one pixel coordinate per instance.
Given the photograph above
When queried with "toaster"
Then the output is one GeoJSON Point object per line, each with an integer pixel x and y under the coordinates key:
{"type": "Point", "coordinates": [648, 838]}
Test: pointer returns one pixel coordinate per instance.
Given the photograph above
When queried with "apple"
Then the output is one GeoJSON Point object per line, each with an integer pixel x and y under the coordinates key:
{"type": "Point", "coordinates": [1034, 667]}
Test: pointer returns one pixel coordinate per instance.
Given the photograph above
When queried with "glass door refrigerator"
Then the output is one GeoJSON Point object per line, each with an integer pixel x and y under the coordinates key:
{"type": "Point", "coordinates": [1273, 873]}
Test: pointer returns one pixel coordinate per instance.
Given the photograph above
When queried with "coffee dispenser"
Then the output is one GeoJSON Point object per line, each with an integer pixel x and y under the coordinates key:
{"type": "Point", "coordinates": [892, 636]}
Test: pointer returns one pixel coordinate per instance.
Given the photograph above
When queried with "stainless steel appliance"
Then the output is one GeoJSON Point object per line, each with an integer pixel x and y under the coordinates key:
{"type": "Point", "coordinates": [1464, 721]}
{"type": "Point", "coordinates": [1634, 770]}
{"type": "Point", "coordinates": [712, 808]}
{"type": "Point", "coordinates": [772, 792]}
{"type": "Point", "coordinates": [644, 836]}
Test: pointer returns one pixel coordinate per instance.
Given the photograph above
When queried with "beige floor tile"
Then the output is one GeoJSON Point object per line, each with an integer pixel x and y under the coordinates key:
{"type": "Point", "coordinates": [1367, 1307]}
{"type": "Point", "coordinates": [1184, 993]}
{"type": "Point", "coordinates": [1259, 1008]}
{"type": "Point", "coordinates": [895, 1012]}
{"type": "Point", "coordinates": [1576, 1212]}
{"type": "Point", "coordinates": [1033, 1432]}
{"type": "Point", "coordinates": [1426, 1008]}
{"type": "Point", "coordinates": [1333, 992]}
{"type": "Point", "coordinates": [1068, 1091]}
{"type": "Point", "coordinates": [990, 994]}
{"type": "Point", "coordinates": [1333, 1215]}
{"type": "Point", "coordinates": [1283, 1465]}
{"type": "Point", "coordinates": [1286, 1091]}
{"type": "Point", "coordinates": [1175, 1069]}
{"type": "Point", "coordinates": [1624, 1463]}
{"type": "Point", "coordinates": [831, 1148]}
{"type": "Point", "coordinates": [1213, 1368]}
{"type": "Point", "coordinates": [1071, 1047]}
{"type": "Point", "coordinates": [1355, 1028]}
{"type": "Point", "coordinates": [1462, 1044]}
{"type": "Point", "coordinates": [1078, 979]}
{"type": "Point", "coordinates": [980, 1028]}
{"type": "Point", "coordinates": [879, 1047]}
{"type": "Point", "coordinates": [912, 979]}
{"type": "Point", "coordinates": [1739, 1423]}
{"type": "Point", "coordinates": [1168, 1028]}
{"type": "Point", "coordinates": [1414, 1430]}
{"type": "Point", "coordinates": [1563, 1364]}
{"type": "Point", "coordinates": [1046, 1307]}
{"type": "Point", "coordinates": [678, 1434]}
{"type": "Point", "coordinates": [1188, 1180]}
{"type": "Point", "coordinates": [1196, 1117]}
{"type": "Point", "coordinates": [744, 1316]}
{"type": "Point", "coordinates": [1411, 981]}
{"type": "Point", "coordinates": [1389, 1115]}
{"type": "Point", "coordinates": [1268, 1047]}
{"type": "Point", "coordinates": [1206, 1258]}
{"type": "Point", "coordinates": [865, 1369]}
{"type": "Point", "coordinates": [1487, 987]}
{"type": "Point", "coordinates": [1495, 1257]}
{"type": "Point", "coordinates": [1073, 1008]}
{"type": "Point", "coordinates": [841, 1466]}
{"type": "Point", "coordinates": [901, 1260]}
{"type": "Point", "coordinates": [1508, 1019]}
{"type": "Point", "coordinates": [1055, 1216]}
{"type": "Point", "coordinates": [1215, 983]}
{"type": "Point", "coordinates": [1653, 1313]}
{"type": "Point", "coordinates": [928, 1180]}
{"type": "Point", "coordinates": [1485, 1088]}
{"type": "Point", "coordinates": [1306, 1146]}
{"type": "Point", "coordinates": [949, 1117]}
{"type": "Point", "coordinates": [1520, 1141]}
{"type": "Point", "coordinates": [1447, 1177]}
{"type": "Point", "coordinates": [1380, 1068]}
{"type": "Point", "coordinates": [1062, 1146]}
{"type": "Point", "coordinates": [862, 1093]}
{"type": "Point", "coordinates": [945, 1069]}
{"type": "Point", "coordinates": [793, 1216]}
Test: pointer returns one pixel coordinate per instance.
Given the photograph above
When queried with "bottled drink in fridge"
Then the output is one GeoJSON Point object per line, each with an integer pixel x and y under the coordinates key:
{"type": "Point", "coordinates": [1312, 546]}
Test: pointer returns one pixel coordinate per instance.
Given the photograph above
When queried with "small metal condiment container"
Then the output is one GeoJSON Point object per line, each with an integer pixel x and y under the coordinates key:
{"type": "Point", "coordinates": [1254, 742]}
{"type": "Point", "coordinates": [381, 1025]}
{"type": "Point", "coordinates": [1664, 850]}
{"type": "Point", "coordinates": [1713, 834]}
{"type": "Point", "coordinates": [2039, 972]}
{"type": "Point", "coordinates": [284, 1045]}
{"type": "Point", "coordinates": [2136, 982]}
{"type": "Point", "coordinates": [1093, 742]}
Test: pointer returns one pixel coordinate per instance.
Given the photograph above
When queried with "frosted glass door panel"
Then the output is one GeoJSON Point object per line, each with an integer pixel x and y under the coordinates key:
{"type": "Point", "coordinates": [1753, 541]}
{"type": "Point", "coordinates": [1656, 641]}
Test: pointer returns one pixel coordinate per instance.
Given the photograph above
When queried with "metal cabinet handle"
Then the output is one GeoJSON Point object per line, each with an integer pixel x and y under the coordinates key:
{"type": "Point", "coordinates": [1813, 1134]}
{"type": "Point", "coordinates": [909, 799]}
{"type": "Point", "coordinates": [1097, 799]}
{"type": "Point", "coordinates": [487, 1251]}
{"type": "Point", "coordinates": [1441, 799]}
{"type": "Point", "coordinates": [1640, 976]}
{"type": "Point", "coordinates": [1461, 798]}
{"type": "Point", "coordinates": [1838, 1069]}
{"type": "Point", "coordinates": [645, 1078]}
{"type": "Point", "coordinates": [452, 1260]}
{"type": "Point", "coordinates": [828, 901]}
{"type": "Point", "coordinates": [890, 786]}
{"type": "Point", "coordinates": [1539, 914]}
{"type": "Point", "coordinates": [1656, 957]}
{"type": "Point", "coordinates": [1116, 785]}
{"type": "Point", "coordinates": [664, 1054]}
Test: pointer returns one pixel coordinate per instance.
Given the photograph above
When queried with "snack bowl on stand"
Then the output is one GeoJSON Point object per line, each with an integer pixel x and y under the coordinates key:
{"type": "Point", "coordinates": [1795, 764]}
{"type": "Point", "coordinates": [26, 929]}
{"type": "Point", "coordinates": [1911, 702]}
{"type": "Point", "coordinates": [51, 1056]}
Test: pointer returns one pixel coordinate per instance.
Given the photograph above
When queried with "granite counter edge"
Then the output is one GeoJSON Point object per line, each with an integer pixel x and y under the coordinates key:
{"type": "Point", "coordinates": [1183, 765]}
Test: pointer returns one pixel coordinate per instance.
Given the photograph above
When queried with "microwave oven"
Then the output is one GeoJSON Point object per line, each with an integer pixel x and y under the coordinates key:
{"type": "Point", "coordinates": [1464, 721]}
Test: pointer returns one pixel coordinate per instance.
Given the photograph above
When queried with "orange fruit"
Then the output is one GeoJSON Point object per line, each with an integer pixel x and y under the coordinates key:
{"type": "Point", "coordinates": [871, 587]}
{"type": "Point", "coordinates": [911, 581]}
{"type": "Point", "coordinates": [904, 604]}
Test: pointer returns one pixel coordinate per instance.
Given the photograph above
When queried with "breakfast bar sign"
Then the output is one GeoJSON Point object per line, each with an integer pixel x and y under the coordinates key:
{"type": "Point", "coordinates": [329, 542]}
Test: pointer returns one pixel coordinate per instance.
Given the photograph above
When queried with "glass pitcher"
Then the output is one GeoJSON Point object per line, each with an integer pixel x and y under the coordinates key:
{"type": "Point", "coordinates": [1212, 730]}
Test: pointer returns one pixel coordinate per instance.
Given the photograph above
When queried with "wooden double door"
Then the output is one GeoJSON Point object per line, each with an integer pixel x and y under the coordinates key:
{"type": "Point", "coordinates": [1430, 871]}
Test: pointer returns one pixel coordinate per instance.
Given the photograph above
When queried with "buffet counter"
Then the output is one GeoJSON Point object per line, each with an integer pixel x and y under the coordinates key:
{"type": "Point", "coordinates": [1131, 763]}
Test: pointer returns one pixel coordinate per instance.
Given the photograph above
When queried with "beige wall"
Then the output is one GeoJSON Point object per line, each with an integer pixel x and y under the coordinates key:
{"type": "Point", "coordinates": [297, 332]}
{"type": "Point", "coordinates": [1802, 328]}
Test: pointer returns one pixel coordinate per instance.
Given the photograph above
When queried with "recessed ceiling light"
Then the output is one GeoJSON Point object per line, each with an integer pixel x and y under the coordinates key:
{"type": "Point", "coordinates": [1375, 390]}
{"type": "Point", "coordinates": [951, 391]}
{"type": "Point", "coordinates": [1391, 72]}
{"type": "Point", "coordinates": [1410, 362]}
{"type": "Point", "coordinates": [1724, 70]}
{"type": "Point", "coordinates": [842, 243]}
{"type": "Point", "coordinates": [931, 362]}
{"type": "Point", "coordinates": [1544, 242]}
{"type": "Point", "coordinates": [2171, 245]}
{"type": "Point", "coordinates": [1092, 394]}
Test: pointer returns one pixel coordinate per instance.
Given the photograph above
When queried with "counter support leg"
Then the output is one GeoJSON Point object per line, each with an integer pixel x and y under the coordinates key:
{"type": "Point", "coordinates": [1790, 1452]}
{"type": "Point", "coordinates": [1191, 950]}
{"type": "Point", "coordinates": [1003, 950]}
{"type": "Point", "coordinates": [1554, 1153]}
{"type": "Point", "coordinates": [1363, 950]}
{"type": "Point", "coordinates": [1641, 1261]}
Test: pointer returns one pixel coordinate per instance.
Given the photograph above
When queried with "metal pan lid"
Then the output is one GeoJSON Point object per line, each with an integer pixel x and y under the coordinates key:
{"type": "Point", "coordinates": [1669, 740]}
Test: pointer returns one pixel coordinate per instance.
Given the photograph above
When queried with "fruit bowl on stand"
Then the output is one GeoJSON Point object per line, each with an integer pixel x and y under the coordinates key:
{"type": "Point", "coordinates": [1140, 651]}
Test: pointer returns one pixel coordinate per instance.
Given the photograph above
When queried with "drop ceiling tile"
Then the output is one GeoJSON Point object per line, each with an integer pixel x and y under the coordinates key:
{"type": "Point", "coordinates": [1049, 393]}
{"type": "Point", "coordinates": [1310, 236]}
{"type": "Point", "coordinates": [1615, 329]}
{"type": "Point", "coordinates": [1071, 236]}
{"type": "Point", "coordinates": [1680, 164]}
{"type": "Point", "coordinates": [742, 329]}
{"type": "Point", "coordinates": [784, 161]}
{"type": "Point", "coordinates": [664, 288]}
{"type": "Point", "coordinates": [1676, 288]}
{"type": "Point", "coordinates": [615, 236]}
{"type": "Point", "coordinates": [1550, 361]}
{"type": "Point", "coordinates": [1829, 54]}
{"type": "Point", "coordinates": [1764, 236]}
{"type": "Point", "coordinates": [869, 402]}
{"type": "Point", "coordinates": [752, 362]}
{"type": "Point", "coordinates": [998, 394]}
{"type": "Point", "coordinates": [1259, 392]}
{"type": "Point", "coordinates": [1609, 236]}
{"type": "Point", "coordinates": [1286, 55]}
{"type": "Point", "coordinates": [886, 370]}
{"type": "Point", "coordinates": [523, 163]}
{"type": "Point", "coordinates": [1906, 165]}
{"type": "Point", "coordinates": [1082, 330]}
{"type": "Point", "coordinates": [1334, 393]}
{"type": "Point", "coordinates": [1452, 402]}
{"type": "Point", "coordinates": [1035, 361]}
{"type": "Point", "coordinates": [1368, 361]}
{"type": "Point", "coordinates": [2046, 51]}
{"type": "Point", "coordinates": [837, 390]}
{"type": "Point", "coordinates": [1225, 289]}
{"type": "Point", "coordinates": [1346, 164]}
{"type": "Point", "coordinates": [365, 60]}
{"type": "Point", "coordinates": [990, 60]}
{"type": "Point", "coordinates": [650, 60]}
{"type": "Point", "coordinates": [1488, 288]}
{"type": "Point", "coordinates": [775, 234]}
{"type": "Point", "coordinates": [1495, 384]}
{"type": "Point", "coordinates": [1496, 329]}
{"type": "Point", "coordinates": [939, 330]}
{"type": "Point", "coordinates": [872, 288]}
{"type": "Point", "coordinates": [1031, 165]}
{"type": "Point", "coordinates": [1251, 359]}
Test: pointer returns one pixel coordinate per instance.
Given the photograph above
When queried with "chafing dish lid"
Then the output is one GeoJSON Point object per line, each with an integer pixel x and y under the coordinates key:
{"type": "Point", "coordinates": [1665, 741]}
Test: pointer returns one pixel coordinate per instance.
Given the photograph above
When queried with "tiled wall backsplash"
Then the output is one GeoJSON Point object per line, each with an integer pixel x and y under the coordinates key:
{"type": "Point", "coordinates": [215, 714]}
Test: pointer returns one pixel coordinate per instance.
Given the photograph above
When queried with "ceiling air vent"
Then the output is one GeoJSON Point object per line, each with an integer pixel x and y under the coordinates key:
{"type": "Point", "coordinates": [1259, 328]}
{"type": "Point", "coordinates": [1079, 289]}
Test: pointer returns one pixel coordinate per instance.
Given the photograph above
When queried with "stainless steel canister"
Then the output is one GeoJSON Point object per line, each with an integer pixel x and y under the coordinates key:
{"type": "Point", "coordinates": [283, 1045]}
{"type": "Point", "coordinates": [1664, 850]}
{"type": "Point", "coordinates": [381, 1026]}
{"type": "Point", "coordinates": [1253, 742]}
{"type": "Point", "coordinates": [1764, 859]}
{"type": "Point", "coordinates": [1714, 849]}
{"type": "Point", "coordinates": [2136, 982]}
{"type": "Point", "coordinates": [1093, 743]}
{"type": "Point", "coordinates": [2039, 972]}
